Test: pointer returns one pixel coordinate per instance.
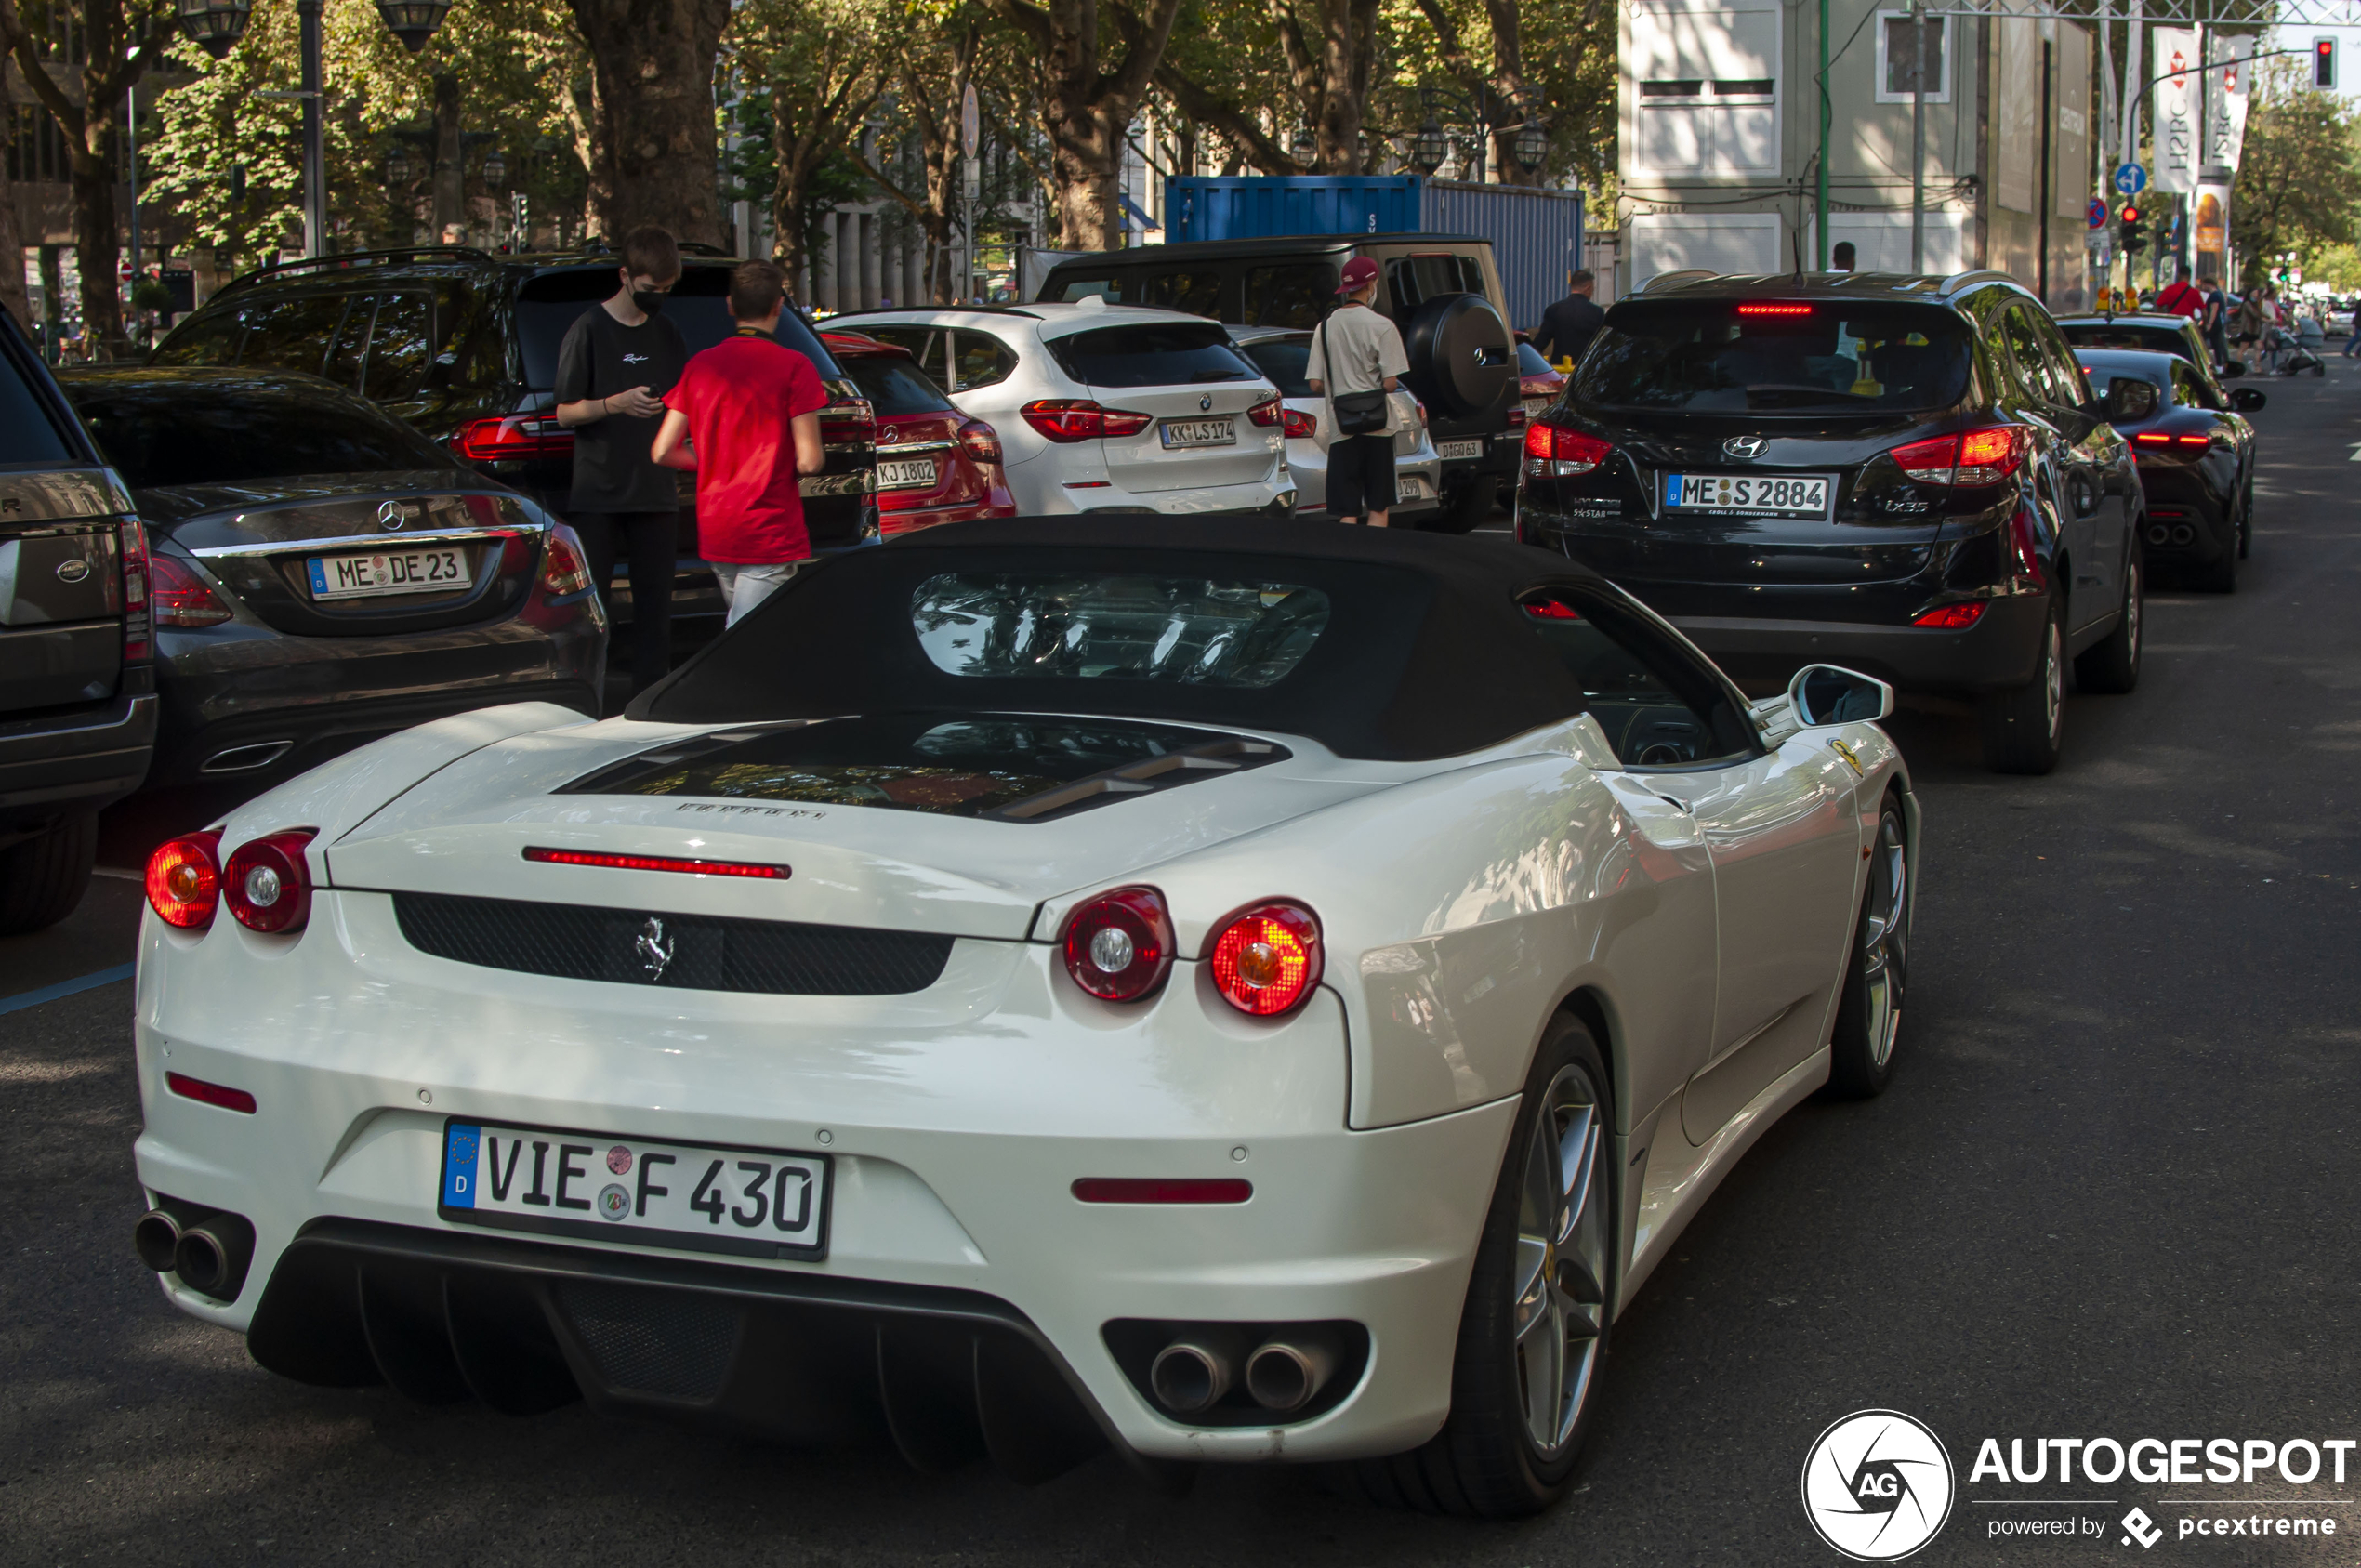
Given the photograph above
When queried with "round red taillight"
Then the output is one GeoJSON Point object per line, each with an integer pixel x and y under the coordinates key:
{"type": "Point", "coordinates": [184, 880]}
{"type": "Point", "coordinates": [266, 885]}
{"type": "Point", "coordinates": [1118, 946]}
{"type": "Point", "coordinates": [1267, 960]}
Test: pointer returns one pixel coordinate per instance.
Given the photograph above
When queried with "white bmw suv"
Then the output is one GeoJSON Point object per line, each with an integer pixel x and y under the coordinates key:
{"type": "Point", "coordinates": [1106, 408]}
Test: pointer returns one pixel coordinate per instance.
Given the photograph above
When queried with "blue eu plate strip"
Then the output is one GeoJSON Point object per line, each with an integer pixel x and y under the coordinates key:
{"type": "Point", "coordinates": [1671, 495]}
{"type": "Point", "coordinates": [459, 1145]}
{"type": "Point", "coordinates": [319, 576]}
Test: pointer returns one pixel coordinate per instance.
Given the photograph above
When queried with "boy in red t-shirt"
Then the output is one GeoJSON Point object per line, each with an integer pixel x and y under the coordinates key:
{"type": "Point", "coordinates": [744, 417]}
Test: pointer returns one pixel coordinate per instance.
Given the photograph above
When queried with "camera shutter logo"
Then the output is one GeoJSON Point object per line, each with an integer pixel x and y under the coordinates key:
{"type": "Point", "coordinates": [1878, 1485]}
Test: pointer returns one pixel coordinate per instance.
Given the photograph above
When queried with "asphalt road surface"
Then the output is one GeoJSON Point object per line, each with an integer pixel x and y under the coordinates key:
{"type": "Point", "coordinates": [2111, 1192]}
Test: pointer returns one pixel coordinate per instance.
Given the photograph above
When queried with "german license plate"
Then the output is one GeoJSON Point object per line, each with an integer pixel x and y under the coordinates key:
{"type": "Point", "coordinates": [1449, 450]}
{"type": "Point", "coordinates": [905, 474]}
{"type": "Point", "coordinates": [1749, 495]}
{"type": "Point", "coordinates": [1199, 432]}
{"type": "Point", "coordinates": [1534, 407]}
{"type": "Point", "coordinates": [705, 1197]}
{"type": "Point", "coordinates": [429, 569]}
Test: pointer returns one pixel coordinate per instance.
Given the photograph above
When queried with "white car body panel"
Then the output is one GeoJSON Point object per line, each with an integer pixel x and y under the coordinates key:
{"type": "Point", "coordinates": [1704, 915]}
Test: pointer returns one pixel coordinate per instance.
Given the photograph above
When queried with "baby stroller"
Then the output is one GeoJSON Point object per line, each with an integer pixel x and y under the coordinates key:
{"type": "Point", "coordinates": [2284, 354]}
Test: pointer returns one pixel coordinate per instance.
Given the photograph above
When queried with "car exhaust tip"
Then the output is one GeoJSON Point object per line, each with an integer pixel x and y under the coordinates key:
{"type": "Point", "coordinates": [1285, 1375]}
{"type": "Point", "coordinates": [211, 1256]}
{"type": "Point", "coordinates": [155, 1236]}
{"type": "Point", "coordinates": [1193, 1373]}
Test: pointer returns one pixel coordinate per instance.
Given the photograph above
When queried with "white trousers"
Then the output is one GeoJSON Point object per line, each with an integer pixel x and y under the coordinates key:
{"type": "Point", "coordinates": [743, 587]}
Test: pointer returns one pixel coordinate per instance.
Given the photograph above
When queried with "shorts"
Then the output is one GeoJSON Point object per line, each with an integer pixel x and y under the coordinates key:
{"type": "Point", "coordinates": [1361, 475]}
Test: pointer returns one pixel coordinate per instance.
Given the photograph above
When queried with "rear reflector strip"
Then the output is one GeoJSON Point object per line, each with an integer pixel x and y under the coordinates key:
{"type": "Point", "coordinates": [1154, 1190]}
{"type": "Point", "coordinates": [657, 863]}
{"type": "Point", "coordinates": [209, 1094]}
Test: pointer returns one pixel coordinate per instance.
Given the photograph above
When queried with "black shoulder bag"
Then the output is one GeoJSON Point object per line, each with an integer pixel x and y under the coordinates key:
{"type": "Point", "coordinates": [1355, 413]}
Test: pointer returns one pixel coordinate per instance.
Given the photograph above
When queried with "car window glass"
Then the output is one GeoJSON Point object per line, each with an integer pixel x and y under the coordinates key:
{"type": "Point", "coordinates": [27, 432]}
{"type": "Point", "coordinates": [2066, 371]}
{"type": "Point", "coordinates": [550, 304]}
{"type": "Point", "coordinates": [1657, 709]}
{"type": "Point", "coordinates": [343, 363]}
{"type": "Point", "coordinates": [893, 385]}
{"type": "Point", "coordinates": [1286, 363]}
{"type": "Point", "coordinates": [293, 333]}
{"type": "Point", "coordinates": [2021, 348]}
{"type": "Point", "coordinates": [1196, 290]}
{"type": "Point", "coordinates": [2187, 388]}
{"type": "Point", "coordinates": [1294, 294]}
{"type": "Point", "coordinates": [207, 338]}
{"type": "Point", "coordinates": [1104, 285]}
{"type": "Point", "coordinates": [979, 360]}
{"type": "Point", "coordinates": [1151, 354]}
{"type": "Point", "coordinates": [1187, 630]}
{"type": "Point", "coordinates": [923, 344]}
{"type": "Point", "coordinates": [165, 432]}
{"type": "Point", "coordinates": [399, 348]}
{"type": "Point", "coordinates": [1740, 354]}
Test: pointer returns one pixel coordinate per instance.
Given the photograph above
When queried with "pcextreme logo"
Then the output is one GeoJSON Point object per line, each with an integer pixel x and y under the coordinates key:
{"type": "Point", "coordinates": [1878, 1485]}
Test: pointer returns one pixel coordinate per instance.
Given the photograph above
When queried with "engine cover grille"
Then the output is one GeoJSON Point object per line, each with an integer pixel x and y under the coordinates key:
{"type": "Point", "coordinates": [686, 952]}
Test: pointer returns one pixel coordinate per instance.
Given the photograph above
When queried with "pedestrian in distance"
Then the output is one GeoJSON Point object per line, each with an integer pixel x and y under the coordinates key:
{"type": "Point", "coordinates": [1568, 327]}
{"type": "Point", "coordinates": [746, 420]}
{"type": "Point", "coordinates": [1357, 353]}
{"type": "Point", "coordinates": [2213, 319]}
{"type": "Point", "coordinates": [615, 364]}
{"type": "Point", "coordinates": [2181, 297]}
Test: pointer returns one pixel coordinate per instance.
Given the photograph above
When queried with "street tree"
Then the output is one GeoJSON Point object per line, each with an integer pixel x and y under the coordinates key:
{"type": "Point", "coordinates": [2298, 179]}
{"type": "Point", "coordinates": [651, 114]}
{"type": "Point", "coordinates": [819, 64]}
{"type": "Point", "coordinates": [934, 62]}
{"type": "Point", "coordinates": [1221, 75]}
{"type": "Point", "coordinates": [121, 40]}
{"type": "Point", "coordinates": [1547, 64]}
{"type": "Point", "coordinates": [12, 289]}
{"type": "Point", "coordinates": [1096, 59]}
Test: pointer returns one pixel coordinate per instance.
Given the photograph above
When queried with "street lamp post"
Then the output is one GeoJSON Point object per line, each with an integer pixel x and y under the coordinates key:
{"type": "Point", "coordinates": [217, 25]}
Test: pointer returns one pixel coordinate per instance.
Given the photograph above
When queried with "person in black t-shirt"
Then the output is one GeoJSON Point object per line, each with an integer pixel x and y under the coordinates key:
{"type": "Point", "coordinates": [619, 359]}
{"type": "Point", "coordinates": [1568, 327]}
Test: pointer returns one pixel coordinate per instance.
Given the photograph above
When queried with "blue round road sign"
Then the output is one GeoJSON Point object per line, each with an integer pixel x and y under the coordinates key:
{"type": "Point", "coordinates": [2130, 179]}
{"type": "Point", "coordinates": [2096, 213]}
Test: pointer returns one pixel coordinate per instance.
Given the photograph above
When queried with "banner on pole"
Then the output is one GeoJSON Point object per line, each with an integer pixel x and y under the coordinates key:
{"type": "Point", "coordinates": [2225, 107]}
{"type": "Point", "coordinates": [2173, 108]}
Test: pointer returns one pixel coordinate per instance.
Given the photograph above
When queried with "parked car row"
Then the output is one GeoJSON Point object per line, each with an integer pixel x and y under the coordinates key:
{"type": "Point", "coordinates": [1918, 478]}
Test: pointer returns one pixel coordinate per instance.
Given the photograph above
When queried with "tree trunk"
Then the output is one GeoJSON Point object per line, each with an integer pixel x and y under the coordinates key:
{"type": "Point", "coordinates": [450, 194]}
{"type": "Point", "coordinates": [1085, 109]}
{"type": "Point", "coordinates": [96, 247]}
{"type": "Point", "coordinates": [656, 153]}
{"type": "Point", "coordinates": [12, 289]}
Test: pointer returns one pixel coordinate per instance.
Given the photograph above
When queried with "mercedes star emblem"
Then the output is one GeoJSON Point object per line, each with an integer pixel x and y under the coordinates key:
{"type": "Point", "coordinates": [655, 948]}
{"type": "Point", "coordinates": [393, 514]}
{"type": "Point", "coordinates": [1204, 403]}
{"type": "Point", "coordinates": [1745, 446]}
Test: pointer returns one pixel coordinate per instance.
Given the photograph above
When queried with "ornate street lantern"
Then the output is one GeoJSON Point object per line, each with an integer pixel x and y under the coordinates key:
{"type": "Point", "coordinates": [495, 170]}
{"type": "Point", "coordinates": [398, 168]}
{"type": "Point", "coordinates": [1304, 145]}
{"type": "Point", "coordinates": [213, 25]}
{"type": "Point", "coordinates": [412, 22]}
{"type": "Point", "coordinates": [1430, 147]}
{"type": "Point", "coordinates": [1529, 146]}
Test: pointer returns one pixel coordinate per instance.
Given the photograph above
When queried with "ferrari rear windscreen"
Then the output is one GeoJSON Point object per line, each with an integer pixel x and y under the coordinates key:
{"type": "Point", "coordinates": [1190, 630]}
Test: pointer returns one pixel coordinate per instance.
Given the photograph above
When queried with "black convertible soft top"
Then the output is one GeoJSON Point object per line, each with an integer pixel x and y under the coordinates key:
{"type": "Point", "coordinates": [1425, 652]}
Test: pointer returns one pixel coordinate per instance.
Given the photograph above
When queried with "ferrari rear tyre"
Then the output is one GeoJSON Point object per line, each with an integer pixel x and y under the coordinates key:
{"type": "Point", "coordinates": [42, 879]}
{"type": "Point", "coordinates": [2022, 727]}
{"type": "Point", "coordinates": [1532, 1335]}
{"type": "Point", "coordinates": [1869, 1008]}
{"type": "Point", "coordinates": [2112, 664]}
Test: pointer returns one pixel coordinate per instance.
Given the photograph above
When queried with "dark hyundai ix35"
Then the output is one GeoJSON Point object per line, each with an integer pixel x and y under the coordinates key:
{"type": "Point", "coordinates": [323, 574]}
{"type": "Point", "coordinates": [1906, 476]}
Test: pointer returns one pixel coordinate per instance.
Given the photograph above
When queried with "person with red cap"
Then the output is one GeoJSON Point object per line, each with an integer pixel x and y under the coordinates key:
{"type": "Point", "coordinates": [1355, 352]}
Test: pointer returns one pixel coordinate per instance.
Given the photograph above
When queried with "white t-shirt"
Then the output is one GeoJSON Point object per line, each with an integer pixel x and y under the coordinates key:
{"type": "Point", "coordinates": [1354, 351]}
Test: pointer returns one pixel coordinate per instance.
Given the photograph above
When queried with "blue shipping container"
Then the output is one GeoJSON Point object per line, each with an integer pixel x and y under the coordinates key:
{"type": "Point", "coordinates": [1253, 206]}
{"type": "Point", "coordinates": [1536, 236]}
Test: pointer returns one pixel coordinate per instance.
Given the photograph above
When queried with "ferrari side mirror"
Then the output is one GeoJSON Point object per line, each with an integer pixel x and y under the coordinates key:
{"type": "Point", "coordinates": [2246, 399]}
{"type": "Point", "coordinates": [1823, 694]}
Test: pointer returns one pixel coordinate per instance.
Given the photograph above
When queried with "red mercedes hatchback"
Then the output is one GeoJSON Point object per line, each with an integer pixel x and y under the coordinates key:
{"type": "Point", "coordinates": [934, 464]}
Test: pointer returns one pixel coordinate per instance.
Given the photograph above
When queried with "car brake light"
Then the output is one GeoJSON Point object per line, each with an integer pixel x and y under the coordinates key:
{"type": "Point", "coordinates": [266, 885]}
{"type": "Point", "coordinates": [1163, 1190]}
{"type": "Point", "coordinates": [1551, 609]}
{"type": "Point", "coordinates": [1754, 309]}
{"type": "Point", "coordinates": [1984, 456]}
{"type": "Point", "coordinates": [138, 637]}
{"type": "Point", "coordinates": [1267, 960]}
{"type": "Point", "coordinates": [2160, 439]}
{"type": "Point", "coordinates": [564, 570]}
{"type": "Point", "coordinates": [1118, 946]}
{"type": "Point", "coordinates": [513, 438]}
{"type": "Point", "coordinates": [184, 880]}
{"type": "Point", "coordinates": [1298, 425]}
{"type": "Point", "coordinates": [1267, 412]}
{"type": "Point", "coordinates": [1516, 417]}
{"type": "Point", "coordinates": [981, 440]}
{"type": "Point", "coordinates": [1572, 452]}
{"type": "Point", "coordinates": [198, 1089]}
{"type": "Point", "coordinates": [1953, 617]}
{"type": "Point", "coordinates": [177, 596]}
{"type": "Point", "coordinates": [1072, 419]}
{"type": "Point", "coordinates": [657, 863]}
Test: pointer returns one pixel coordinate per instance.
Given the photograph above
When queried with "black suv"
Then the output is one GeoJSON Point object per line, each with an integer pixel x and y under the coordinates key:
{"type": "Point", "coordinates": [77, 689]}
{"type": "Point", "coordinates": [1442, 290]}
{"type": "Point", "coordinates": [1904, 475]}
{"type": "Point", "coordinates": [463, 345]}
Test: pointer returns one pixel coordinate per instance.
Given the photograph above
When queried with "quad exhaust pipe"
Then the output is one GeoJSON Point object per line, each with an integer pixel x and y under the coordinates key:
{"type": "Point", "coordinates": [1288, 1373]}
{"type": "Point", "coordinates": [1193, 1373]}
{"type": "Point", "coordinates": [209, 1250]}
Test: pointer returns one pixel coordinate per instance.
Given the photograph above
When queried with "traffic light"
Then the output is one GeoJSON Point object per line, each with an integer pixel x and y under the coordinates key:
{"type": "Point", "coordinates": [2324, 64]}
{"type": "Point", "coordinates": [2130, 216]}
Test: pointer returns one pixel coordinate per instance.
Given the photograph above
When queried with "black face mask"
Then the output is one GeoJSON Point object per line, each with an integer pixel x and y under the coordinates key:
{"type": "Point", "coordinates": [649, 301]}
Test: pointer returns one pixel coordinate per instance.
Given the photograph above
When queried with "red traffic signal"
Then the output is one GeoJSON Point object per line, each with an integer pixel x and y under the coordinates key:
{"type": "Point", "coordinates": [2324, 63]}
{"type": "Point", "coordinates": [2130, 213]}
